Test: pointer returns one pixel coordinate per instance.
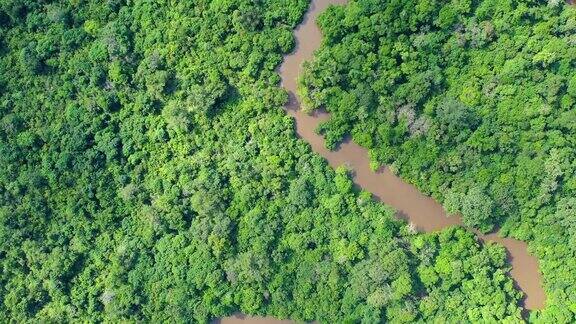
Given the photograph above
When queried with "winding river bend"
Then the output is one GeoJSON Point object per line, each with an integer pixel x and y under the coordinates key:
{"type": "Point", "coordinates": [422, 211]}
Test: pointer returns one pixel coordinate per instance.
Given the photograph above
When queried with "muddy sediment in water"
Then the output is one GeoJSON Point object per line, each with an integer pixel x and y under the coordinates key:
{"type": "Point", "coordinates": [239, 318]}
{"type": "Point", "coordinates": [423, 212]}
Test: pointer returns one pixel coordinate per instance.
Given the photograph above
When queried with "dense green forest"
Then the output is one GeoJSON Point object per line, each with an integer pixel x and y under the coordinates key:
{"type": "Point", "coordinates": [148, 173]}
{"type": "Point", "coordinates": [474, 102]}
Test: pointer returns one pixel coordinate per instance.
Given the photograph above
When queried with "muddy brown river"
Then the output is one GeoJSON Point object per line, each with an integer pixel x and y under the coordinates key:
{"type": "Point", "coordinates": [422, 211]}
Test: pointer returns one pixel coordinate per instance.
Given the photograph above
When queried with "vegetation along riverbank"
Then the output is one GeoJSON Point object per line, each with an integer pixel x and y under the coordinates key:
{"type": "Point", "coordinates": [148, 171]}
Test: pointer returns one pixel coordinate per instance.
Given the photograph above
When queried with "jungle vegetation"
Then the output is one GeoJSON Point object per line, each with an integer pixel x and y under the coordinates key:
{"type": "Point", "coordinates": [148, 173]}
{"type": "Point", "coordinates": [472, 101]}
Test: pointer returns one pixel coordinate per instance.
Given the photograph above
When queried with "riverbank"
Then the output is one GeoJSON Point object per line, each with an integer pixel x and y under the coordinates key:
{"type": "Point", "coordinates": [423, 212]}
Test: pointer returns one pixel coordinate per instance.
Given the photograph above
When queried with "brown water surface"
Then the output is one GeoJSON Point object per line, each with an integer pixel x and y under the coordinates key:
{"type": "Point", "coordinates": [422, 211]}
{"type": "Point", "coordinates": [239, 318]}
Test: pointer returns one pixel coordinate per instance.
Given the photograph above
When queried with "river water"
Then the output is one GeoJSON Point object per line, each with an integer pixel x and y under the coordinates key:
{"type": "Point", "coordinates": [422, 211]}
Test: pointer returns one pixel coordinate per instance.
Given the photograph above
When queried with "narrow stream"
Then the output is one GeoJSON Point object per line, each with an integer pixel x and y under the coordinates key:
{"type": "Point", "coordinates": [422, 211]}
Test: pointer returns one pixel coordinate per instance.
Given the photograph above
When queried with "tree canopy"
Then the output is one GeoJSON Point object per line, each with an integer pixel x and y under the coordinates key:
{"type": "Point", "coordinates": [148, 173]}
{"type": "Point", "coordinates": [471, 101]}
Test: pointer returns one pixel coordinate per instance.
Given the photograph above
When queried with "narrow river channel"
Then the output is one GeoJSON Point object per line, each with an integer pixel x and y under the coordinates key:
{"type": "Point", "coordinates": [422, 211]}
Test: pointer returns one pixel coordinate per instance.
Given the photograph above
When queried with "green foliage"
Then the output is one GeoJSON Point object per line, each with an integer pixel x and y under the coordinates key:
{"type": "Point", "coordinates": [486, 89]}
{"type": "Point", "coordinates": [467, 291]}
{"type": "Point", "coordinates": [148, 174]}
